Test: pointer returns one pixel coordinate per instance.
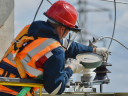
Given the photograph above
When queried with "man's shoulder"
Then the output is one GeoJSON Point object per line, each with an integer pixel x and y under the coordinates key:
{"type": "Point", "coordinates": [39, 21]}
{"type": "Point", "coordinates": [57, 54]}
{"type": "Point", "coordinates": [58, 50]}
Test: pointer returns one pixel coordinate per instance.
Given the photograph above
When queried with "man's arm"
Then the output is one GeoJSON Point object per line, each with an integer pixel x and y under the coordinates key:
{"type": "Point", "coordinates": [75, 48]}
{"type": "Point", "coordinates": [55, 76]}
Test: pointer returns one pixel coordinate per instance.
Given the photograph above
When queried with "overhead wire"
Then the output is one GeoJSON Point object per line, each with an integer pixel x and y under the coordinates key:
{"type": "Point", "coordinates": [78, 24]}
{"type": "Point", "coordinates": [49, 2]}
{"type": "Point", "coordinates": [99, 8]}
{"type": "Point", "coordinates": [37, 10]}
{"type": "Point", "coordinates": [120, 2]}
{"type": "Point", "coordinates": [114, 24]}
{"type": "Point", "coordinates": [112, 38]}
{"type": "Point", "coordinates": [101, 38]}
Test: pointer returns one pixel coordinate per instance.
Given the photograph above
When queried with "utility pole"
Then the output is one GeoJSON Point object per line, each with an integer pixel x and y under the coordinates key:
{"type": "Point", "coordinates": [82, 19]}
{"type": "Point", "coordinates": [6, 24]}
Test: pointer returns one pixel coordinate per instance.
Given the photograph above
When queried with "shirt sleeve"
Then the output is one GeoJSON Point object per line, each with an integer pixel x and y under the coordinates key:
{"type": "Point", "coordinates": [55, 76]}
{"type": "Point", "coordinates": [75, 48]}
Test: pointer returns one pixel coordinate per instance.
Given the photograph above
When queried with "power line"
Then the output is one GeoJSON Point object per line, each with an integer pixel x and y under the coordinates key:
{"type": "Point", "coordinates": [114, 24]}
{"type": "Point", "coordinates": [49, 2]}
{"type": "Point", "coordinates": [101, 38]}
{"type": "Point", "coordinates": [38, 10]}
{"type": "Point", "coordinates": [120, 2]}
{"type": "Point", "coordinates": [98, 6]}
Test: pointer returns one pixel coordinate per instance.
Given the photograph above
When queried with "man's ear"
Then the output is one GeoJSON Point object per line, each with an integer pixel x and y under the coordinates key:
{"type": "Point", "coordinates": [62, 28]}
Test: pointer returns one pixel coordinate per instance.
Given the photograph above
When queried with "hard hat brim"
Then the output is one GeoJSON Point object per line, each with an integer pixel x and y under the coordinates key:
{"type": "Point", "coordinates": [75, 29]}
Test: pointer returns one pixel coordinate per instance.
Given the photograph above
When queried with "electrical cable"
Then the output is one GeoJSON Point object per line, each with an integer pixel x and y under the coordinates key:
{"type": "Point", "coordinates": [114, 24]}
{"type": "Point", "coordinates": [112, 39]}
{"type": "Point", "coordinates": [49, 2]}
{"type": "Point", "coordinates": [38, 10]}
{"type": "Point", "coordinates": [120, 2]}
{"type": "Point", "coordinates": [98, 7]}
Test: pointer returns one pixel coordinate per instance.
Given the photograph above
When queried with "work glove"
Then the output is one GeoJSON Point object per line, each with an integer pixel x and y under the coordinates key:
{"type": "Point", "coordinates": [76, 66]}
{"type": "Point", "coordinates": [101, 51]}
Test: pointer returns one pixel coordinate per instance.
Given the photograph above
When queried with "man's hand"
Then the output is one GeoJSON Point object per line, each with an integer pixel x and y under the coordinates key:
{"type": "Point", "coordinates": [76, 67]}
{"type": "Point", "coordinates": [101, 51]}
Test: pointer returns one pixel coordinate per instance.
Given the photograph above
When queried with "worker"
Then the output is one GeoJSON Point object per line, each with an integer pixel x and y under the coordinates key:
{"type": "Point", "coordinates": [45, 55]}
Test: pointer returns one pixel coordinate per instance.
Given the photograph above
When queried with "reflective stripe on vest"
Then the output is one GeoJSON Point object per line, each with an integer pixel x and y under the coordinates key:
{"type": "Point", "coordinates": [32, 52]}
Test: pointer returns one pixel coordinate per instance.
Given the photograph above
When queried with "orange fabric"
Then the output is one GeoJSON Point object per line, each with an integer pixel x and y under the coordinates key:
{"type": "Point", "coordinates": [7, 90]}
{"type": "Point", "coordinates": [13, 51]}
{"type": "Point", "coordinates": [1, 71]}
{"type": "Point", "coordinates": [22, 55]}
{"type": "Point", "coordinates": [6, 74]}
{"type": "Point", "coordinates": [2, 88]}
{"type": "Point", "coordinates": [9, 62]}
{"type": "Point", "coordinates": [22, 32]}
{"type": "Point", "coordinates": [20, 68]}
{"type": "Point", "coordinates": [42, 52]}
{"type": "Point", "coordinates": [12, 75]}
{"type": "Point", "coordinates": [32, 76]}
{"type": "Point", "coordinates": [23, 40]}
{"type": "Point", "coordinates": [31, 46]}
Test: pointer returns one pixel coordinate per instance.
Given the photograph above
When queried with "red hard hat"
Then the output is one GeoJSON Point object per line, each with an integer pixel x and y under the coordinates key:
{"type": "Point", "coordinates": [64, 13]}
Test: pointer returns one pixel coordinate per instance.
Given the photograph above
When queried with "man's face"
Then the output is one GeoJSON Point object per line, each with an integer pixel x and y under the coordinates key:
{"type": "Point", "coordinates": [65, 34]}
{"type": "Point", "coordinates": [61, 32]}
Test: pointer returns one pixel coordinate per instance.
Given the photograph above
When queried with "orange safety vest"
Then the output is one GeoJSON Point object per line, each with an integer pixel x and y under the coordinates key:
{"type": "Point", "coordinates": [32, 57]}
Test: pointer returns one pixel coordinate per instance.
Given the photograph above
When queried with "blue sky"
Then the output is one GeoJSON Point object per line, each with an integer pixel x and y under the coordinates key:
{"type": "Point", "coordinates": [101, 25]}
{"type": "Point", "coordinates": [97, 23]}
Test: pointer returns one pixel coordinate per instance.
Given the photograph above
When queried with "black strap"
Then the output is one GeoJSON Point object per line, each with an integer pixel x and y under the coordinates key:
{"type": "Point", "coordinates": [8, 74]}
{"type": "Point", "coordinates": [15, 48]}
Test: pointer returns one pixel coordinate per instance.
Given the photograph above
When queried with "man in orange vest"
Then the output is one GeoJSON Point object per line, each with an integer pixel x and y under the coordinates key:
{"type": "Point", "coordinates": [45, 54]}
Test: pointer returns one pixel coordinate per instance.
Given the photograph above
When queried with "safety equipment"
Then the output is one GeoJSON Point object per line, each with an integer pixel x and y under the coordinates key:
{"type": "Point", "coordinates": [75, 66]}
{"type": "Point", "coordinates": [19, 66]}
{"type": "Point", "coordinates": [63, 13]}
{"type": "Point", "coordinates": [39, 49]}
{"type": "Point", "coordinates": [30, 54]}
{"type": "Point", "coordinates": [101, 51]}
